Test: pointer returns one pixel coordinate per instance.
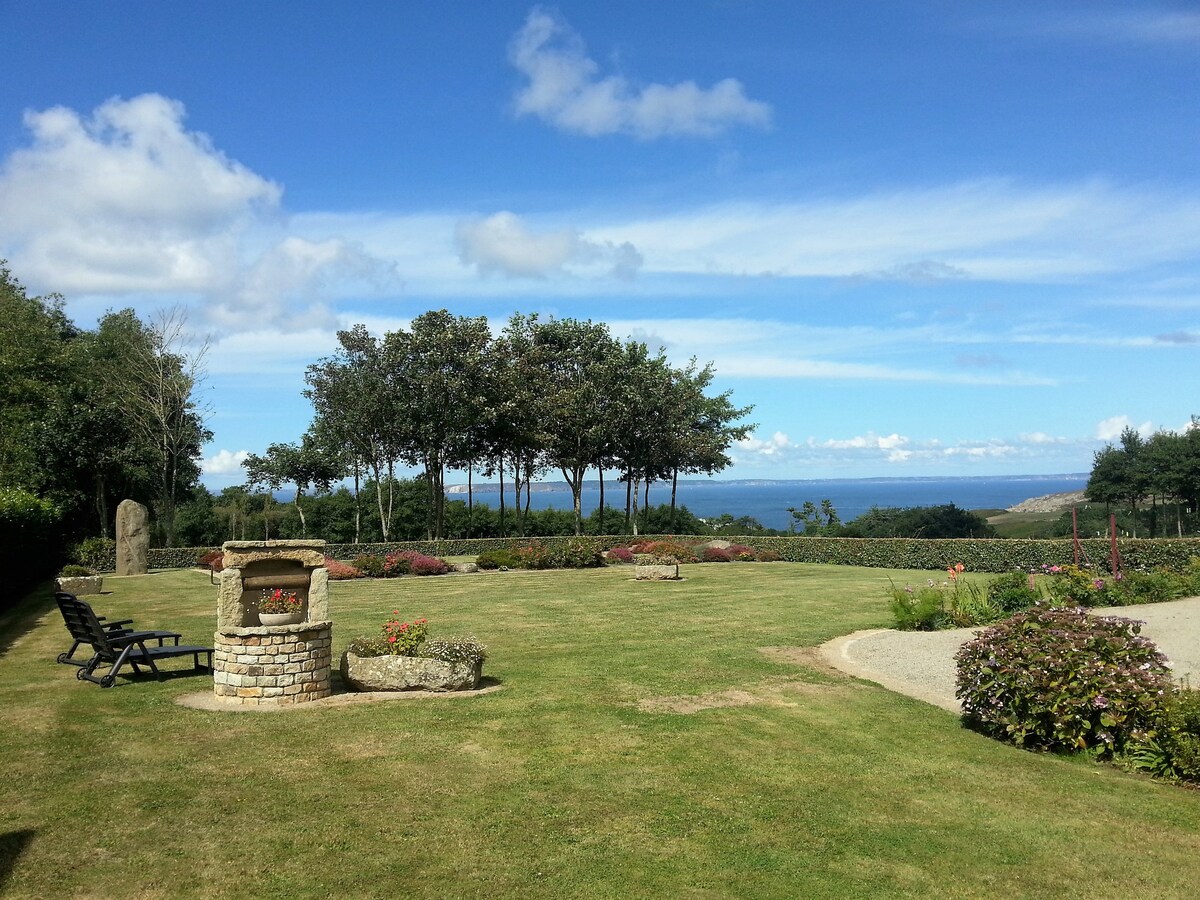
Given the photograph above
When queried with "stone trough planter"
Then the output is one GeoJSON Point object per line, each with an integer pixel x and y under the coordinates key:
{"type": "Point", "coordinates": [408, 673]}
{"type": "Point", "coordinates": [656, 573]}
{"type": "Point", "coordinates": [80, 585]}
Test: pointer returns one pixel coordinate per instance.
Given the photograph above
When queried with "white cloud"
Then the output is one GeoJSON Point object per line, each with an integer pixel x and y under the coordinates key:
{"type": "Point", "coordinates": [870, 439]}
{"type": "Point", "coordinates": [1143, 26]}
{"type": "Point", "coordinates": [129, 201]}
{"type": "Point", "coordinates": [224, 462]}
{"type": "Point", "coordinates": [774, 446]}
{"type": "Point", "coordinates": [1110, 429]}
{"type": "Point", "coordinates": [564, 89]}
{"type": "Point", "coordinates": [503, 243]}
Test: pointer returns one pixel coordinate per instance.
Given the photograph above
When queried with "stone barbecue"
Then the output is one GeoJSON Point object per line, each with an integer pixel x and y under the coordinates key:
{"type": "Point", "coordinates": [276, 664]}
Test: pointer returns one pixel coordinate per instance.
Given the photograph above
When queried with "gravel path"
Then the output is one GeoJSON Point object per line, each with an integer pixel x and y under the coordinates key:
{"type": "Point", "coordinates": [920, 664]}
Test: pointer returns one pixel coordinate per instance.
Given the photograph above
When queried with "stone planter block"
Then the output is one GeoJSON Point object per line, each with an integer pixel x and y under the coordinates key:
{"type": "Point", "coordinates": [656, 573]}
{"type": "Point", "coordinates": [408, 673]}
{"type": "Point", "coordinates": [80, 585]}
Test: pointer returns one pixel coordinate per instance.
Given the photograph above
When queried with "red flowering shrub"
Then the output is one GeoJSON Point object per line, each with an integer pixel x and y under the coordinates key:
{"type": "Point", "coordinates": [213, 559]}
{"type": "Point", "coordinates": [534, 556]}
{"type": "Point", "coordinates": [419, 563]}
{"type": "Point", "coordinates": [716, 554]}
{"type": "Point", "coordinates": [404, 638]}
{"type": "Point", "coordinates": [620, 555]}
{"type": "Point", "coordinates": [677, 549]}
{"type": "Point", "coordinates": [395, 564]}
{"type": "Point", "coordinates": [339, 571]}
{"type": "Point", "coordinates": [742, 553]}
{"type": "Point", "coordinates": [767, 556]}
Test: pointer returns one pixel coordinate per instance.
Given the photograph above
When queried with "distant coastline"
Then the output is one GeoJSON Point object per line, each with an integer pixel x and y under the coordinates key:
{"type": "Point", "coordinates": [543, 487]}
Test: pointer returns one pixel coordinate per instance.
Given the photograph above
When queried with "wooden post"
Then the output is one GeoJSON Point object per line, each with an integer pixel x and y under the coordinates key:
{"type": "Point", "coordinates": [1114, 555]}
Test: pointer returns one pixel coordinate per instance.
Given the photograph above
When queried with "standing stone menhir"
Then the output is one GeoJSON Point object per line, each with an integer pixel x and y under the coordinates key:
{"type": "Point", "coordinates": [133, 538]}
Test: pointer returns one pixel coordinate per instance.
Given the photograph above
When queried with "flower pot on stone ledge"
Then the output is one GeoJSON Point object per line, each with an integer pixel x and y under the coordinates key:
{"type": "Point", "coordinates": [408, 673]}
{"type": "Point", "coordinates": [274, 619]}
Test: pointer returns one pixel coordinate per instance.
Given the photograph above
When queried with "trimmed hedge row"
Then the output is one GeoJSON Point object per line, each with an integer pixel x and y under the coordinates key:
{"type": "Point", "coordinates": [977, 554]}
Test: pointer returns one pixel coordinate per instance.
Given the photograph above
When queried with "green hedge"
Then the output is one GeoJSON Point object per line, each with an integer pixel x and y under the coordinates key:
{"type": "Point", "coordinates": [977, 554]}
{"type": "Point", "coordinates": [30, 540]}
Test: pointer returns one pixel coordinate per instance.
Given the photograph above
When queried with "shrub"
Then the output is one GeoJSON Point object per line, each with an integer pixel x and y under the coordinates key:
{"type": "Point", "coordinates": [339, 571]}
{"type": "Point", "coordinates": [1011, 592]}
{"type": "Point", "coordinates": [618, 555]}
{"type": "Point", "coordinates": [1058, 679]}
{"type": "Point", "coordinates": [1073, 586]}
{"type": "Point", "coordinates": [370, 566]}
{"type": "Point", "coordinates": [716, 554]}
{"type": "Point", "coordinates": [653, 559]}
{"type": "Point", "coordinates": [419, 563]}
{"type": "Point", "coordinates": [1171, 746]}
{"type": "Point", "coordinates": [767, 556]}
{"type": "Point", "coordinates": [741, 553]}
{"type": "Point", "coordinates": [455, 650]}
{"type": "Point", "coordinates": [404, 638]}
{"type": "Point", "coordinates": [534, 556]}
{"type": "Point", "coordinates": [369, 646]}
{"type": "Point", "coordinates": [576, 555]}
{"type": "Point", "coordinates": [921, 609]}
{"type": "Point", "coordinates": [73, 571]}
{"type": "Point", "coordinates": [395, 564]}
{"type": "Point", "coordinates": [1156, 586]}
{"type": "Point", "coordinates": [213, 559]}
{"type": "Point", "coordinates": [96, 553]}
{"type": "Point", "coordinates": [680, 552]}
{"type": "Point", "coordinates": [497, 559]}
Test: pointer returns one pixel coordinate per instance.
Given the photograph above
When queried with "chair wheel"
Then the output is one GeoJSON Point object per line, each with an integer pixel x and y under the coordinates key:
{"type": "Point", "coordinates": [62, 658]}
{"type": "Point", "coordinates": [107, 681]}
{"type": "Point", "coordinates": [80, 676]}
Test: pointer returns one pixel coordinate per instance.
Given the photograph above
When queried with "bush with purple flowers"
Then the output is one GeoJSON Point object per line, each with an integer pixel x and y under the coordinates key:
{"type": "Point", "coordinates": [1059, 679]}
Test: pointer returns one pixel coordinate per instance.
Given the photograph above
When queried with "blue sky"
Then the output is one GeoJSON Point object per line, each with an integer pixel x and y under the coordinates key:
{"type": "Point", "coordinates": [922, 238]}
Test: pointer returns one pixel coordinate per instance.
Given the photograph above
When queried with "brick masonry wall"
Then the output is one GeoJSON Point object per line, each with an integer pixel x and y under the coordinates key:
{"type": "Point", "coordinates": [280, 665]}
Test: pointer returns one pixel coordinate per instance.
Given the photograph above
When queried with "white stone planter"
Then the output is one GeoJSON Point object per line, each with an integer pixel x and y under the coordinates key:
{"type": "Point", "coordinates": [273, 620]}
{"type": "Point", "coordinates": [80, 585]}
{"type": "Point", "coordinates": [408, 673]}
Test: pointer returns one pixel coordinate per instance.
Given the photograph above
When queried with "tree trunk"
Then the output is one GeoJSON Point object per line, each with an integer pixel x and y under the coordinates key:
{"type": "Point", "coordinates": [637, 487]}
{"type": "Point", "coordinates": [300, 509]}
{"type": "Point", "coordinates": [517, 494]}
{"type": "Point", "coordinates": [470, 503]}
{"type": "Point", "coordinates": [357, 505]}
{"type": "Point", "coordinates": [674, 488]}
{"type": "Point", "coordinates": [600, 518]}
{"type": "Point", "coordinates": [646, 502]}
{"type": "Point", "coordinates": [501, 467]}
{"type": "Point", "coordinates": [628, 485]}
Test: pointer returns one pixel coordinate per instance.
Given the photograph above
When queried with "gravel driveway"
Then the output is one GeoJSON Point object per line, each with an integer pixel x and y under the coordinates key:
{"type": "Point", "coordinates": [920, 664]}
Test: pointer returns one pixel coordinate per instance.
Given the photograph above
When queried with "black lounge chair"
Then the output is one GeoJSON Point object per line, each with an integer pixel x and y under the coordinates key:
{"type": "Point", "coordinates": [79, 635]}
{"type": "Point", "coordinates": [116, 648]}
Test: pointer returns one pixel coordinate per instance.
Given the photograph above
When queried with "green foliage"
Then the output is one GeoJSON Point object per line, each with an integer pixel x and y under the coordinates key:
{"type": "Point", "coordinates": [369, 646]}
{"type": "Point", "coordinates": [277, 601]}
{"type": "Point", "coordinates": [919, 609]}
{"type": "Point", "coordinates": [497, 559]}
{"type": "Point", "coordinates": [74, 571]}
{"type": "Point", "coordinates": [1170, 748]}
{"type": "Point", "coordinates": [370, 565]}
{"type": "Point", "coordinates": [404, 638]}
{"type": "Point", "coordinates": [1059, 679]}
{"type": "Point", "coordinates": [576, 554]}
{"type": "Point", "coordinates": [30, 540]}
{"type": "Point", "coordinates": [394, 565]}
{"type": "Point", "coordinates": [100, 553]}
{"type": "Point", "coordinates": [1011, 592]}
{"type": "Point", "coordinates": [945, 521]}
{"type": "Point", "coordinates": [534, 555]}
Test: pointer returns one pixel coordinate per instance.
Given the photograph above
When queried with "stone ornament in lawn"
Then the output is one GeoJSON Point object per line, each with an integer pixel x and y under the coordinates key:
{"type": "Point", "coordinates": [406, 673]}
{"type": "Point", "coordinates": [656, 572]}
{"type": "Point", "coordinates": [80, 585]}
{"type": "Point", "coordinates": [133, 538]}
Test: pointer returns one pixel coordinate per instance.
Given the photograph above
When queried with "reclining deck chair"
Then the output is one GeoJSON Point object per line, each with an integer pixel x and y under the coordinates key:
{"type": "Point", "coordinates": [79, 634]}
{"type": "Point", "coordinates": [117, 649]}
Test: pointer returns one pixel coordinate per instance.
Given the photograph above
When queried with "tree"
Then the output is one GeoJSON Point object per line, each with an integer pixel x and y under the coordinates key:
{"type": "Point", "coordinates": [163, 373]}
{"type": "Point", "coordinates": [303, 465]}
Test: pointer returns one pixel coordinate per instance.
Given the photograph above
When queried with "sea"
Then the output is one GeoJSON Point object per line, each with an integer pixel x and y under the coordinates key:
{"type": "Point", "coordinates": [768, 500]}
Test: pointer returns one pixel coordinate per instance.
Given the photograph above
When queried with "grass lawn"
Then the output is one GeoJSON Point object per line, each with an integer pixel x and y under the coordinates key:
{"type": "Point", "coordinates": [561, 783]}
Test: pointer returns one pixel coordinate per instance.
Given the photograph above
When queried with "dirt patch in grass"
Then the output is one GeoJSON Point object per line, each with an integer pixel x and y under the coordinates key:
{"type": "Point", "coordinates": [771, 692]}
